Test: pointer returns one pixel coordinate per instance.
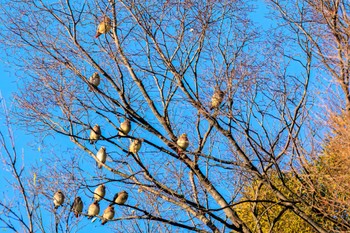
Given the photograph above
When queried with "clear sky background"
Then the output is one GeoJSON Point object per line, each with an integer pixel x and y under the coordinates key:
{"type": "Point", "coordinates": [33, 151]}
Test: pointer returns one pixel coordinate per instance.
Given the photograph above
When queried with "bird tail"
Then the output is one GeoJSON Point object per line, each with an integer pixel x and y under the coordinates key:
{"type": "Point", "coordinates": [99, 165]}
{"type": "Point", "coordinates": [103, 222]}
{"type": "Point", "coordinates": [76, 214]}
{"type": "Point", "coordinates": [97, 34]}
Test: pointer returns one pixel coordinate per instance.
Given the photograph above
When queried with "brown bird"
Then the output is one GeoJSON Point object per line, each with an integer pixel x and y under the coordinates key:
{"type": "Point", "coordinates": [120, 198]}
{"type": "Point", "coordinates": [94, 209]}
{"type": "Point", "coordinates": [77, 206]}
{"type": "Point", "coordinates": [99, 192]}
{"type": "Point", "coordinates": [94, 80]}
{"type": "Point", "coordinates": [101, 156]}
{"type": "Point", "coordinates": [108, 214]}
{"type": "Point", "coordinates": [135, 146]}
{"type": "Point", "coordinates": [95, 134]}
{"type": "Point", "coordinates": [217, 98]}
{"type": "Point", "coordinates": [104, 26]}
{"type": "Point", "coordinates": [183, 142]}
{"type": "Point", "coordinates": [58, 199]}
{"type": "Point", "coordinates": [124, 128]}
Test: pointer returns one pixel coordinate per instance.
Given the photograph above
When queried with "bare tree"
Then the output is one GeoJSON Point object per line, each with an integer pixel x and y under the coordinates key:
{"type": "Point", "coordinates": [28, 190]}
{"type": "Point", "coordinates": [16, 210]}
{"type": "Point", "coordinates": [325, 24]}
{"type": "Point", "coordinates": [162, 66]}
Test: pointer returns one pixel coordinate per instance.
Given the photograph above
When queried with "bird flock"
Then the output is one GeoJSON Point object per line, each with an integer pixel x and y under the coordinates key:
{"type": "Point", "coordinates": [101, 155]}
{"type": "Point", "coordinates": [94, 209]}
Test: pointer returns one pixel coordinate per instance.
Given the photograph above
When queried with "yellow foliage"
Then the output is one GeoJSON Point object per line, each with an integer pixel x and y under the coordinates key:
{"type": "Point", "coordinates": [324, 190]}
{"type": "Point", "coordinates": [330, 177]}
{"type": "Point", "coordinates": [267, 214]}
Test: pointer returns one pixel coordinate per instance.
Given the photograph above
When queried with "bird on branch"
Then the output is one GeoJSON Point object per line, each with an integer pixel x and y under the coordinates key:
{"type": "Point", "coordinates": [94, 209]}
{"type": "Point", "coordinates": [108, 214]}
{"type": "Point", "coordinates": [216, 99]}
{"type": "Point", "coordinates": [120, 198]}
{"type": "Point", "coordinates": [94, 80]}
{"type": "Point", "coordinates": [95, 134]}
{"type": "Point", "coordinates": [124, 128]}
{"type": "Point", "coordinates": [77, 206]}
{"type": "Point", "coordinates": [58, 199]}
{"type": "Point", "coordinates": [99, 192]}
{"type": "Point", "coordinates": [183, 143]}
{"type": "Point", "coordinates": [101, 156]}
{"type": "Point", "coordinates": [104, 26]}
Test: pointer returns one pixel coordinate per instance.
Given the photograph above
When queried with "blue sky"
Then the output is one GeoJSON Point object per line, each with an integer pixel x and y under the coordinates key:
{"type": "Point", "coordinates": [33, 150]}
{"type": "Point", "coordinates": [35, 153]}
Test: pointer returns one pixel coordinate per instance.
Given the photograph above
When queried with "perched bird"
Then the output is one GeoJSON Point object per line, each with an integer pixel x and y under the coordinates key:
{"type": "Point", "coordinates": [99, 192]}
{"type": "Point", "coordinates": [95, 134]}
{"type": "Point", "coordinates": [135, 146]}
{"type": "Point", "coordinates": [124, 128]}
{"type": "Point", "coordinates": [94, 209]}
{"type": "Point", "coordinates": [108, 214]}
{"type": "Point", "coordinates": [104, 26]}
{"type": "Point", "coordinates": [77, 206]}
{"type": "Point", "coordinates": [58, 199]}
{"type": "Point", "coordinates": [217, 98]}
{"type": "Point", "coordinates": [101, 156]}
{"type": "Point", "coordinates": [182, 142]}
{"type": "Point", "coordinates": [120, 198]}
{"type": "Point", "coordinates": [94, 80]}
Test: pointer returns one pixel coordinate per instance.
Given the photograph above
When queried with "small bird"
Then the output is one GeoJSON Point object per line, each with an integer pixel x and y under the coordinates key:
{"type": "Point", "coordinates": [120, 198]}
{"type": "Point", "coordinates": [95, 134]}
{"type": "Point", "coordinates": [182, 142]}
{"type": "Point", "coordinates": [124, 128]}
{"type": "Point", "coordinates": [94, 209]}
{"type": "Point", "coordinates": [217, 98]}
{"type": "Point", "coordinates": [135, 146]}
{"type": "Point", "coordinates": [58, 199]}
{"type": "Point", "coordinates": [77, 206]}
{"type": "Point", "coordinates": [108, 214]}
{"type": "Point", "coordinates": [94, 80]}
{"type": "Point", "coordinates": [104, 26]}
{"type": "Point", "coordinates": [99, 192]}
{"type": "Point", "coordinates": [101, 156]}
